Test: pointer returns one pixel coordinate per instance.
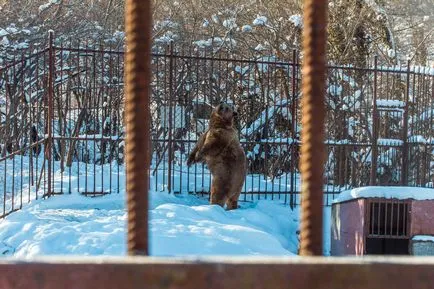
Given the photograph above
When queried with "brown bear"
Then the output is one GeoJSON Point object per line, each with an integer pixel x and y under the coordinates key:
{"type": "Point", "coordinates": [219, 147]}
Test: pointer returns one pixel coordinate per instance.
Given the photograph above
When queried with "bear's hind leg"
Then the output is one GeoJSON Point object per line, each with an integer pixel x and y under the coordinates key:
{"type": "Point", "coordinates": [232, 203]}
{"type": "Point", "coordinates": [219, 193]}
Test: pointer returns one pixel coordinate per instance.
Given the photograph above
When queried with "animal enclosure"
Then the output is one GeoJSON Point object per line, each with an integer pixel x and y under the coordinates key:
{"type": "Point", "coordinates": [62, 123]}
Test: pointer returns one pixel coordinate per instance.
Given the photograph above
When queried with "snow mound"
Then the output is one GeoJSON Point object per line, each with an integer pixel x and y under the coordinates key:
{"type": "Point", "coordinates": [400, 193]}
{"type": "Point", "coordinates": [179, 226]}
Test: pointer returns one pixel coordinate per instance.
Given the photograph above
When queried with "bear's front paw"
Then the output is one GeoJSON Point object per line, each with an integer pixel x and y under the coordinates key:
{"type": "Point", "coordinates": [190, 160]}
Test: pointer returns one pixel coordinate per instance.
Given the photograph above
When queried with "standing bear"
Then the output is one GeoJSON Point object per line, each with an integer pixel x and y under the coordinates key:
{"type": "Point", "coordinates": [219, 147]}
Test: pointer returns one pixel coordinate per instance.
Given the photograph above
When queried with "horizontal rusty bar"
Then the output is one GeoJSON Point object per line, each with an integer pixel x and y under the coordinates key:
{"type": "Point", "coordinates": [22, 150]}
{"type": "Point", "coordinates": [211, 58]}
{"type": "Point", "coordinates": [107, 138]}
{"type": "Point", "coordinates": [89, 50]}
{"type": "Point", "coordinates": [142, 272]}
{"type": "Point", "coordinates": [19, 60]}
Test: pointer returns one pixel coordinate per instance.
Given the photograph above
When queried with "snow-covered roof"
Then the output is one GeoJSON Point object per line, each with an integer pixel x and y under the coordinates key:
{"type": "Point", "coordinates": [423, 238]}
{"type": "Point", "coordinates": [401, 193]}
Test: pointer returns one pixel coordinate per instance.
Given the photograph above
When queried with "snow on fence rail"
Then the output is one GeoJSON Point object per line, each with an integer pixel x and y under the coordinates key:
{"type": "Point", "coordinates": [380, 123]}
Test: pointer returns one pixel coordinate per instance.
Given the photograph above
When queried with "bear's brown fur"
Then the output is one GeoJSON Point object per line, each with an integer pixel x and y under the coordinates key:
{"type": "Point", "coordinates": [219, 147]}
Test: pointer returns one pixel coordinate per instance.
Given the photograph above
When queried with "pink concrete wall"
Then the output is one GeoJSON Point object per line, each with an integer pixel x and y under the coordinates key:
{"type": "Point", "coordinates": [422, 218]}
{"type": "Point", "coordinates": [347, 236]}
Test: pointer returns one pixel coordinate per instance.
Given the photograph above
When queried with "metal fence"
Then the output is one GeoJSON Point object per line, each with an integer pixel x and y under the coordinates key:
{"type": "Point", "coordinates": [62, 129]}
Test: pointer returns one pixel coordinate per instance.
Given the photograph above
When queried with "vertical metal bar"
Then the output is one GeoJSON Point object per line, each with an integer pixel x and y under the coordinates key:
{"type": "Point", "coordinates": [386, 203]}
{"type": "Point", "coordinates": [50, 109]}
{"type": "Point", "coordinates": [12, 111]}
{"type": "Point", "coordinates": [119, 121]}
{"type": "Point", "coordinates": [23, 117]}
{"type": "Point", "coordinates": [378, 217]}
{"type": "Point", "coordinates": [5, 152]}
{"type": "Point", "coordinates": [404, 219]}
{"type": "Point", "coordinates": [94, 103]}
{"type": "Point", "coordinates": [397, 218]}
{"type": "Point", "coordinates": [88, 103]}
{"type": "Point", "coordinates": [313, 148]}
{"type": "Point", "coordinates": [62, 129]}
{"type": "Point", "coordinates": [404, 173]}
{"type": "Point", "coordinates": [69, 112]}
{"type": "Point", "coordinates": [391, 217]}
{"type": "Point", "coordinates": [138, 23]}
{"type": "Point", "coordinates": [79, 79]}
{"type": "Point", "coordinates": [110, 116]}
{"type": "Point", "coordinates": [293, 130]}
{"type": "Point", "coordinates": [374, 154]}
{"type": "Point", "coordinates": [170, 143]}
{"type": "Point", "coordinates": [102, 98]}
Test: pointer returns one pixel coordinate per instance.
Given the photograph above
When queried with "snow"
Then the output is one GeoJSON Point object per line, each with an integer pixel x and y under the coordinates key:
{"type": "Point", "coordinates": [297, 20]}
{"type": "Point", "coordinates": [44, 7]}
{"type": "Point", "coordinates": [391, 53]}
{"type": "Point", "coordinates": [22, 45]}
{"type": "Point", "coordinates": [203, 43]}
{"type": "Point", "coordinates": [179, 225]}
{"type": "Point", "coordinates": [335, 90]}
{"type": "Point", "coordinates": [3, 32]}
{"type": "Point", "coordinates": [390, 103]}
{"type": "Point", "coordinates": [417, 139]}
{"type": "Point", "coordinates": [260, 47]}
{"type": "Point", "coordinates": [215, 18]}
{"type": "Point", "coordinates": [12, 29]}
{"type": "Point", "coordinates": [260, 21]}
{"type": "Point", "coordinates": [246, 28]}
{"type": "Point", "coordinates": [400, 193]}
{"type": "Point", "coordinates": [389, 142]}
{"type": "Point", "coordinates": [241, 70]}
{"type": "Point", "coordinates": [4, 41]}
{"type": "Point", "coordinates": [167, 37]}
{"type": "Point", "coordinates": [426, 238]}
{"type": "Point", "coordinates": [427, 115]}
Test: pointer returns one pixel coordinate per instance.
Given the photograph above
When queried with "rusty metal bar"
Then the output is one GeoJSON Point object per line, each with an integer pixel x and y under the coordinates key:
{"type": "Point", "coordinates": [293, 129]}
{"type": "Point", "coordinates": [170, 126]}
{"type": "Point", "coordinates": [138, 23]}
{"type": "Point", "coordinates": [404, 173]}
{"type": "Point", "coordinates": [108, 273]}
{"type": "Point", "coordinates": [313, 116]}
{"type": "Point", "coordinates": [50, 114]}
{"type": "Point", "coordinates": [374, 154]}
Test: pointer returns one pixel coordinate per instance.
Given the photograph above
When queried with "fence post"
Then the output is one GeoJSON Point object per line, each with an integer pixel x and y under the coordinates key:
{"type": "Point", "coordinates": [374, 154]}
{"type": "Point", "coordinates": [404, 173]}
{"type": "Point", "coordinates": [293, 129]}
{"type": "Point", "coordinates": [50, 115]}
{"type": "Point", "coordinates": [170, 149]}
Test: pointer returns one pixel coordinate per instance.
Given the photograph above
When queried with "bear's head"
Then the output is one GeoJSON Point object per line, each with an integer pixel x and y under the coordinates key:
{"type": "Point", "coordinates": [222, 115]}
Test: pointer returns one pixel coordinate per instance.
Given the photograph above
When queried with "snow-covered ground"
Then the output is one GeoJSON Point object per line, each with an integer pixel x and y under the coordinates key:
{"type": "Point", "coordinates": [179, 225]}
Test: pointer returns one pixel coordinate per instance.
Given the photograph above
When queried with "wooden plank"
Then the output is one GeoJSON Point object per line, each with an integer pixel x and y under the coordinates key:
{"type": "Point", "coordinates": [210, 273]}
